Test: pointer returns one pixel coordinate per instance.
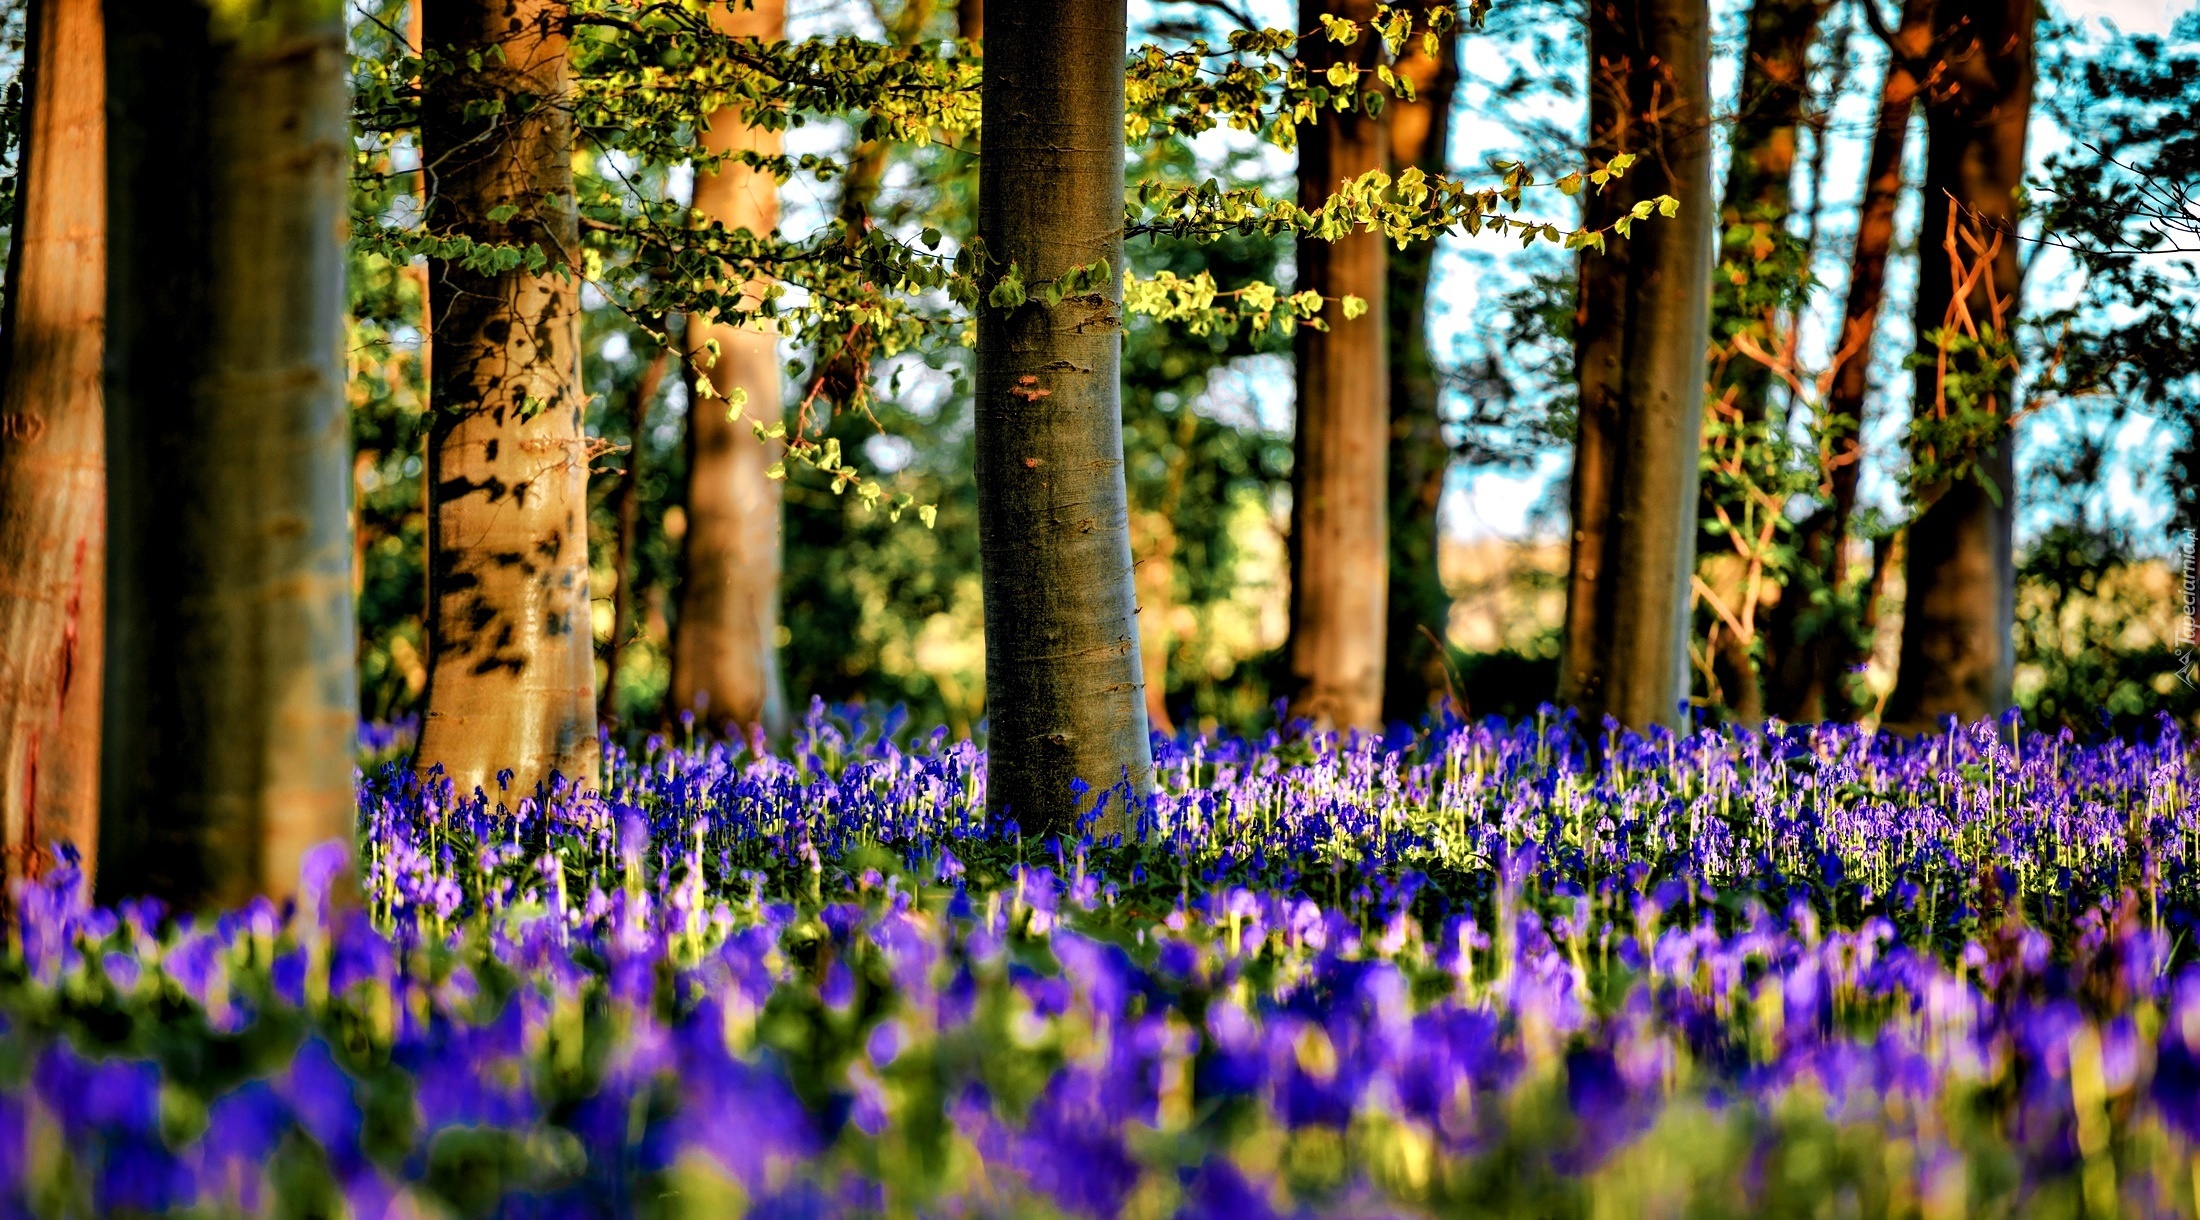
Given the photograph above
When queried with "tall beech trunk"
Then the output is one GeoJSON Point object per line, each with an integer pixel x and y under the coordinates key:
{"type": "Point", "coordinates": [53, 457]}
{"type": "Point", "coordinates": [1062, 664]}
{"type": "Point", "coordinates": [1811, 650]}
{"type": "Point", "coordinates": [1419, 608]}
{"type": "Point", "coordinates": [1340, 483]}
{"type": "Point", "coordinates": [970, 20]}
{"type": "Point", "coordinates": [725, 656]}
{"type": "Point", "coordinates": [1640, 333]}
{"type": "Point", "coordinates": [1959, 604]}
{"type": "Point", "coordinates": [511, 658]}
{"type": "Point", "coordinates": [1758, 201]}
{"type": "Point", "coordinates": [231, 696]}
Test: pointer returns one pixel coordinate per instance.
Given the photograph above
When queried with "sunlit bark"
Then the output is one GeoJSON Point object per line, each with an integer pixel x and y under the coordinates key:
{"type": "Point", "coordinates": [53, 457]}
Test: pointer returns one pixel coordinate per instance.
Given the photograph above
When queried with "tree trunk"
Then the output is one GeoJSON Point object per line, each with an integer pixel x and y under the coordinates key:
{"type": "Point", "coordinates": [511, 658]}
{"type": "Point", "coordinates": [53, 475]}
{"type": "Point", "coordinates": [1339, 482]}
{"type": "Point", "coordinates": [1959, 605]}
{"type": "Point", "coordinates": [1062, 661]}
{"type": "Point", "coordinates": [629, 515]}
{"type": "Point", "coordinates": [725, 658]}
{"type": "Point", "coordinates": [1815, 659]}
{"type": "Point", "coordinates": [1754, 265]}
{"type": "Point", "coordinates": [1640, 332]}
{"type": "Point", "coordinates": [1419, 608]}
{"type": "Point", "coordinates": [231, 698]}
{"type": "Point", "coordinates": [970, 20]}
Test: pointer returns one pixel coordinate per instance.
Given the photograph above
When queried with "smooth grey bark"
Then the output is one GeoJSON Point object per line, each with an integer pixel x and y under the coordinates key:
{"type": "Point", "coordinates": [1063, 673]}
{"type": "Point", "coordinates": [1641, 329]}
{"type": "Point", "coordinates": [231, 702]}
{"type": "Point", "coordinates": [1959, 601]}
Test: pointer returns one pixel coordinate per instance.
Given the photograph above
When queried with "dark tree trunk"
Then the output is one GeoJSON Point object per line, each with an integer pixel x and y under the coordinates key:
{"type": "Point", "coordinates": [53, 459]}
{"type": "Point", "coordinates": [1339, 482]}
{"type": "Point", "coordinates": [1809, 642]}
{"type": "Point", "coordinates": [1959, 604]}
{"type": "Point", "coordinates": [725, 655]}
{"type": "Point", "coordinates": [231, 700]}
{"type": "Point", "coordinates": [1753, 215]}
{"type": "Point", "coordinates": [511, 659]}
{"type": "Point", "coordinates": [1419, 606]}
{"type": "Point", "coordinates": [1063, 671]}
{"type": "Point", "coordinates": [629, 516]}
{"type": "Point", "coordinates": [970, 20]}
{"type": "Point", "coordinates": [1640, 333]}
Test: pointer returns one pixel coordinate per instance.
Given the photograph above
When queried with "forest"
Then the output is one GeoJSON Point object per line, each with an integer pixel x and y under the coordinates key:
{"type": "Point", "coordinates": [848, 607]}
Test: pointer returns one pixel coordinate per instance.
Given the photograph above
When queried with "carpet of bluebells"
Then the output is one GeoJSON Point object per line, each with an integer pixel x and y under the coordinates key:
{"type": "Point", "coordinates": [1483, 969]}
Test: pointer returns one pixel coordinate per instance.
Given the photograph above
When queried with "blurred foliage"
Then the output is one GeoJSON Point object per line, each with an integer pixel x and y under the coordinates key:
{"type": "Point", "coordinates": [2098, 634]}
{"type": "Point", "coordinates": [389, 428]}
{"type": "Point", "coordinates": [2104, 620]}
{"type": "Point", "coordinates": [2124, 202]}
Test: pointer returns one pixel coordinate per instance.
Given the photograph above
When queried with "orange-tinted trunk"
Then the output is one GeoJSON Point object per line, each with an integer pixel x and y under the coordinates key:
{"type": "Point", "coordinates": [725, 652]}
{"type": "Point", "coordinates": [1419, 608]}
{"type": "Point", "coordinates": [53, 456]}
{"type": "Point", "coordinates": [1340, 488]}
